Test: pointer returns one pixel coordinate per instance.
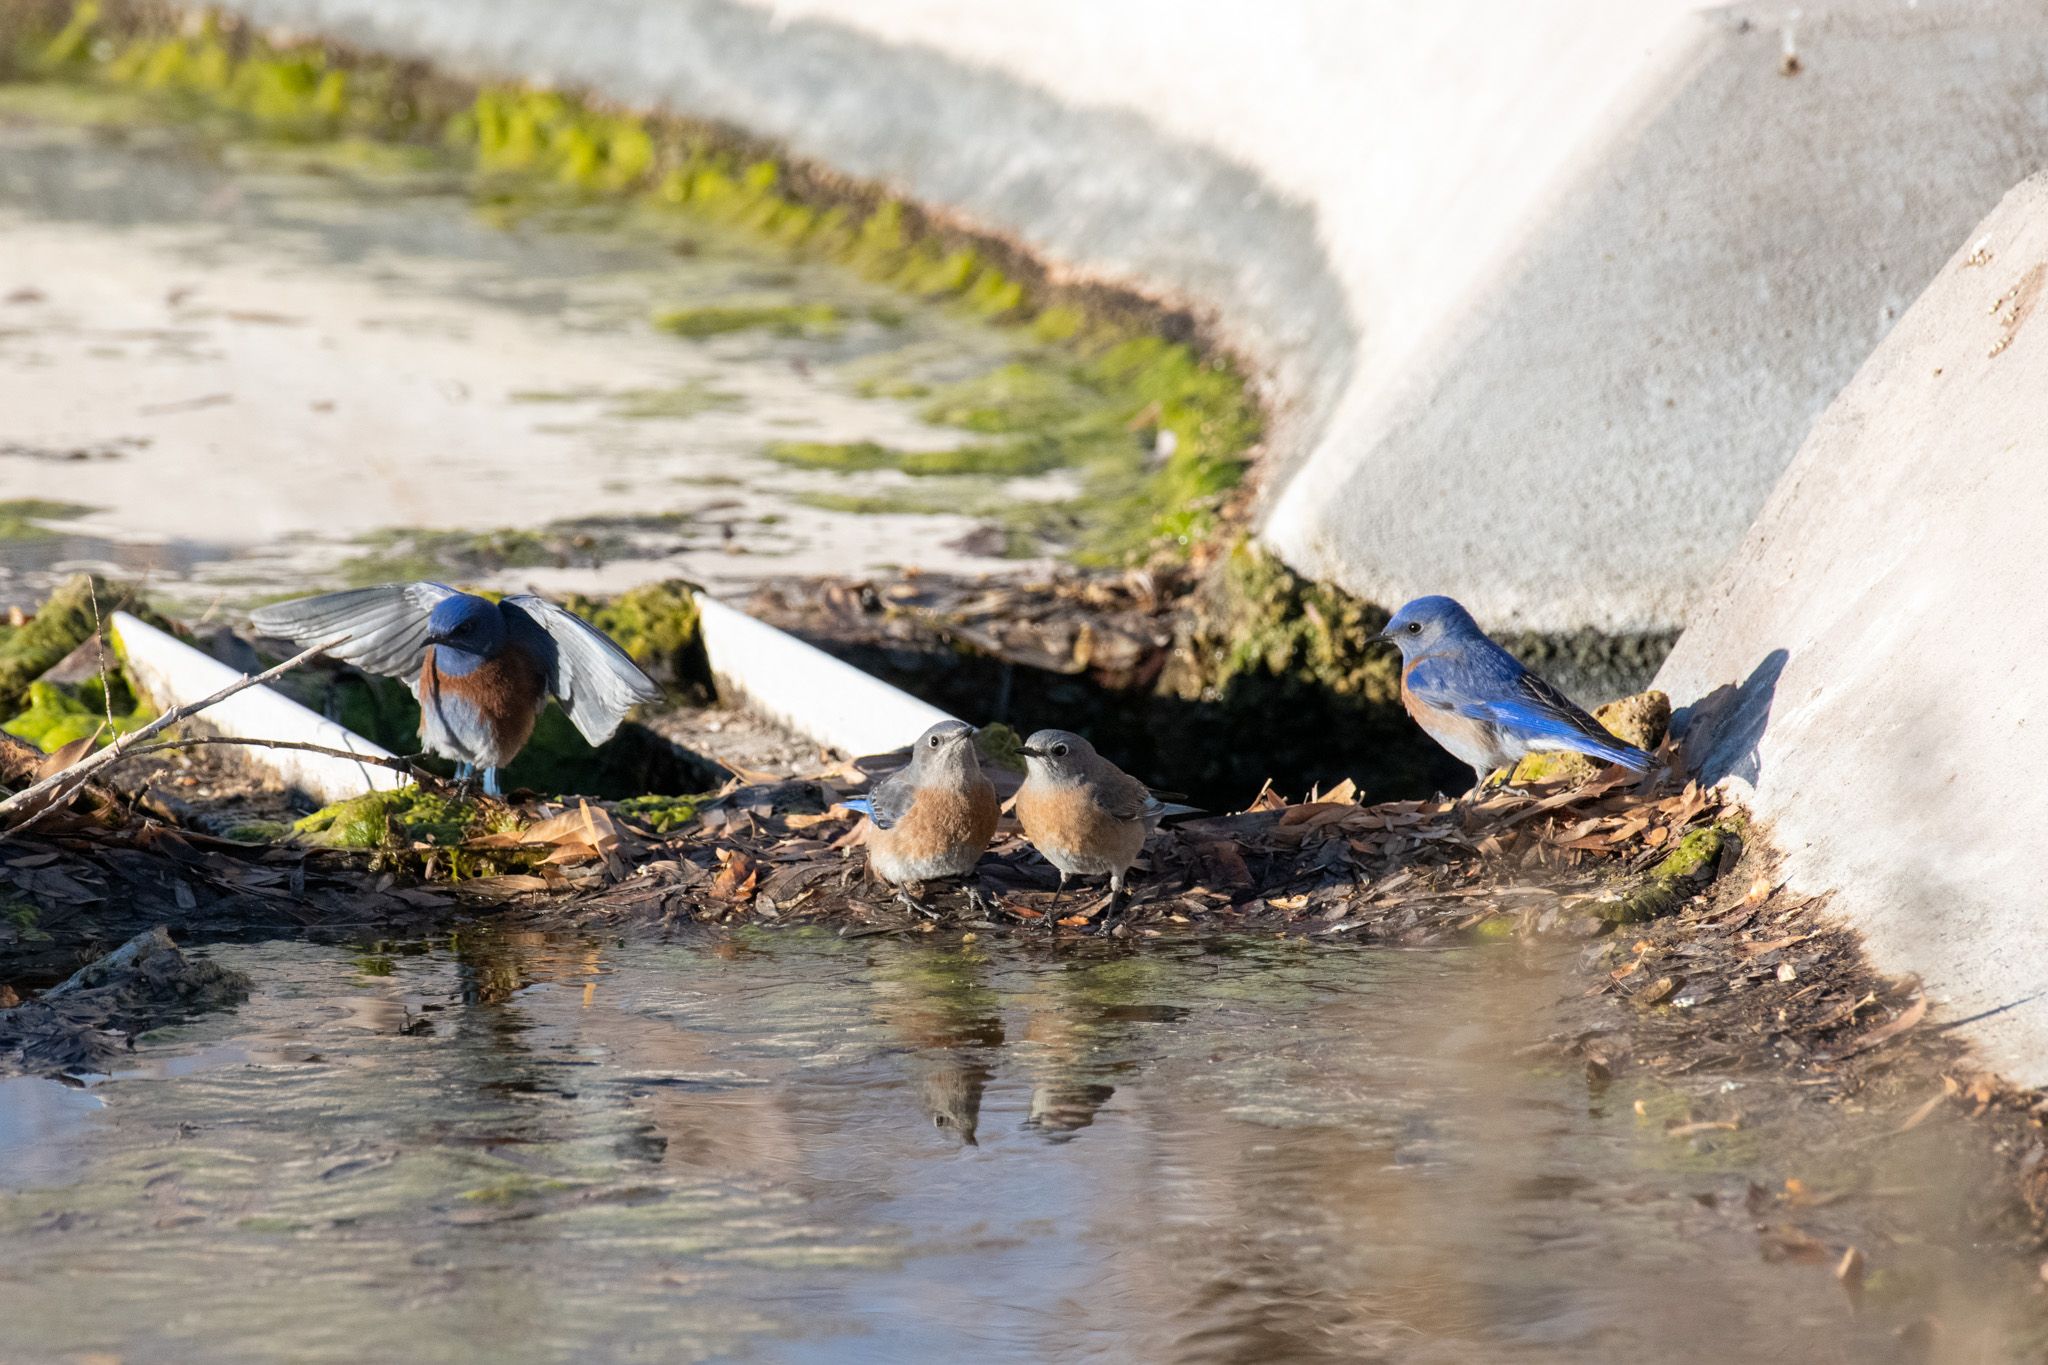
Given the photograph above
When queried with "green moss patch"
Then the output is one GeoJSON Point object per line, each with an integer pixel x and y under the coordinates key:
{"type": "Point", "coordinates": [1684, 872]}
{"type": "Point", "coordinates": [662, 814]}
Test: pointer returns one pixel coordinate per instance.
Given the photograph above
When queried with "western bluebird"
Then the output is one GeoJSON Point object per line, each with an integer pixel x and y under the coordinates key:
{"type": "Point", "coordinates": [934, 818]}
{"type": "Point", "coordinates": [482, 670]}
{"type": "Point", "coordinates": [1085, 814]}
{"type": "Point", "coordinates": [1478, 701]}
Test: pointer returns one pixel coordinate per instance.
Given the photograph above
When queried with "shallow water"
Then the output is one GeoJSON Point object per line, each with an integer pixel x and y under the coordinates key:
{"type": "Point", "coordinates": [532, 1147]}
{"type": "Point", "coordinates": [240, 361]}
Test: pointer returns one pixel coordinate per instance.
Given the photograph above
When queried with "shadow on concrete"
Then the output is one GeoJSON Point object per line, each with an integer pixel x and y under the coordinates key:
{"type": "Point", "coordinates": [1719, 735]}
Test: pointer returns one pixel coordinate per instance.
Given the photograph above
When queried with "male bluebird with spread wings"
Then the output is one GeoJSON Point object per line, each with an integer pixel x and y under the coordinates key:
{"type": "Point", "coordinates": [1478, 701]}
{"type": "Point", "coordinates": [933, 818]}
{"type": "Point", "coordinates": [1085, 814]}
{"type": "Point", "coordinates": [482, 670]}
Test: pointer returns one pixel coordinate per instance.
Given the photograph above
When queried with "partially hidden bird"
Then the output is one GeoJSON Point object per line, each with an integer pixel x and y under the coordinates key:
{"type": "Point", "coordinates": [933, 818]}
{"type": "Point", "coordinates": [482, 670]}
{"type": "Point", "coordinates": [1088, 817]}
{"type": "Point", "coordinates": [1479, 702]}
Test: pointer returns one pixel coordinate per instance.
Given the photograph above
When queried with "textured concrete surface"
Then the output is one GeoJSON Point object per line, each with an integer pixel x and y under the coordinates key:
{"type": "Point", "coordinates": [1549, 293]}
{"type": "Point", "coordinates": [1870, 663]}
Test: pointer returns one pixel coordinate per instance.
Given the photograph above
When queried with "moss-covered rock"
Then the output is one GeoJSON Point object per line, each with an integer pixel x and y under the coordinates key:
{"type": "Point", "coordinates": [1688, 869]}
{"type": "Point", "coordinates": [59, 626]}
{"type": "Point", "coordinates": [59, 713]}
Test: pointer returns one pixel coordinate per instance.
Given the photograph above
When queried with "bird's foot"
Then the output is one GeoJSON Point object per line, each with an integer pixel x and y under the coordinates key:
{"type": "Point", "coordinates": [911, 902]}
{"type": "Point", "coordinates": [1113, 911]}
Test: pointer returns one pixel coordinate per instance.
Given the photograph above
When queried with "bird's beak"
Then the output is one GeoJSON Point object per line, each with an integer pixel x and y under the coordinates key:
{"type": "Point", "coordinates": [1029, 752]}
{"type": "Point", "coordinates": [1386, 636]}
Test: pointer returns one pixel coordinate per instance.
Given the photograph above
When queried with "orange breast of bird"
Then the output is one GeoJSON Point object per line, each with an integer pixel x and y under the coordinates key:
{"type": "Point", "coordinates": [943, 819]}
{"type": "Point", "coordinates": [1067, 825]}
{"type": "Point", "coordinates": [508, 692]}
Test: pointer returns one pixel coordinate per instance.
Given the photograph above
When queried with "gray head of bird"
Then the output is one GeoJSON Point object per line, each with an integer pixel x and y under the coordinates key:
{"type": "Point", "coordinates": [1429, 623]}
{"type": "Point", "coordinates": [1059, 756]}
{"type": "Point", "coordinates": [947, 747]}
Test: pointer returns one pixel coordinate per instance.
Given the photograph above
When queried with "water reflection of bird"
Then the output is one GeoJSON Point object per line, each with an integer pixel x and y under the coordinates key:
{"type": "Point", "coordinates": [1479, 702]}
{"type": "Point", "coordinates": [1085, 814]}
{"type": "Point", "coordinates": [482, 670]}
{"type": "Point", "coordinates": [936, 1004]}
{"type": "Point", "coordinates": [933, 818]}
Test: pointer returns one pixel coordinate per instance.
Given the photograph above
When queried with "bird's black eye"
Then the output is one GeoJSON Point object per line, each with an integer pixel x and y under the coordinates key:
{"type": "Point", "coordinates": [935, 741]}
{"type": "Point", "coordinates": [938, 1120]}
{"type": "Point", "coordinates": [1059, 751]}
{"type": "Point", "coordinates": [1415, 627]}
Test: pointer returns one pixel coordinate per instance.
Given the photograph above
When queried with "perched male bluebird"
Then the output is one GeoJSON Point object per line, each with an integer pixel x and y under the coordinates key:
{"type": "Point", "coordinates": [934, 818]}
{"type": "Point", "coordinates": [1478, 701]}
{"type": "Point", "coordinates": [482, 670]}
{"type": "Point", "coordinates": [1085, 814]}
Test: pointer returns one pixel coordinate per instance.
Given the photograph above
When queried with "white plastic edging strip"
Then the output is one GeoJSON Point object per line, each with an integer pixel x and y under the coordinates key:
{"type": "Point", "coordinates": [173, 673]}
{"type": "Point", "coordinates": [805, 689]}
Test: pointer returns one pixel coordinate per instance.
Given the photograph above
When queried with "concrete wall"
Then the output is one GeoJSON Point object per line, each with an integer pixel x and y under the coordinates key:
{"type": "Point", "coordinates": [1870, 663]}
{"type": "Point", "coordinates": [1549, 292]}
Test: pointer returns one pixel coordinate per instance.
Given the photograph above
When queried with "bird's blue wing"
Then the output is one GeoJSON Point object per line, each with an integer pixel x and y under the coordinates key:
{"type": "Point", "coordinates": [594, 679]}
{"type": "Point", "coordinates": [1538, 711]}
{"type": "Point", "coordinates": [886, 803]}
{"type": "Point", "coordinates": [1493, 687]}
{"type": "Point", "coordinates": [386, 626]}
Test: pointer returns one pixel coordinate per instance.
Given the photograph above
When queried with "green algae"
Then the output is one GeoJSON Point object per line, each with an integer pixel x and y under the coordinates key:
{"type": "Point", "coordinates": [679, 401]}
{"type": "Point", "coordinates": [998, 459]}
{"type": "Point", "coordinates": [27, 518]}
{"type": "Point", "coordinates": [783, 319]}
{"type": "Point", "coordinates": [1163, 448]}
{"type": "Point", "coordinates": [400, 554]}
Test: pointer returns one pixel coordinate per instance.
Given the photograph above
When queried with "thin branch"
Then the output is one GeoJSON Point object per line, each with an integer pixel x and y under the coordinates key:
{"type": "Point", "coordinates": [400, 765]}
{"type": "Point", "coordinates": [59, 788]}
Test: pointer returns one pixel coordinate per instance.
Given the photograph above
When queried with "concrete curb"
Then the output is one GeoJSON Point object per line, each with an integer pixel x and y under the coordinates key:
{"type": "Point", "coordinates": [173, 673]}
{"type": "Point", "coordinates": [805, 689]}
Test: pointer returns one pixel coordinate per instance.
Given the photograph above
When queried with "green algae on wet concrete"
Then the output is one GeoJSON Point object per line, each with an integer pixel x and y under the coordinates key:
{"type": "Point", "coordinates": [1184, 408]}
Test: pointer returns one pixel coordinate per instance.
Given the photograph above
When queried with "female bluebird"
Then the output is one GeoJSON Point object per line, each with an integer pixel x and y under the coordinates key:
{"type": "Point", "coordinates": [934, 818]}
{"type": "Point", "coordinates": [1478, 701]}
{"type": "Point", "coordinates": [482, 670]}
{"type": "Point", "coordinates": [1085, 814]}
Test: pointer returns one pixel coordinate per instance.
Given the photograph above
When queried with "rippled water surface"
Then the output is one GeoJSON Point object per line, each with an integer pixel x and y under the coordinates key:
{"type": "Point", "coordinates": [523, 1147]}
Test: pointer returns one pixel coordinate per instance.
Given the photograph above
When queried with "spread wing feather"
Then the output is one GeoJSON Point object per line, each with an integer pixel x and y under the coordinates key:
{"type": "Point", "coordinates": [386, 626]}
{"type": "Point", "coordinates": [593, 678]}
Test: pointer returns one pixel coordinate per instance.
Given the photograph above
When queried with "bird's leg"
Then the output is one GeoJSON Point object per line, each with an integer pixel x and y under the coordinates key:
{"type": "Point", "coordinates": [1050, 918]}
{"type": "Point", "coordinates": [912, 902]}
{"type": "Point", "coordinates": [1119, 897]}
{"type": "Point", "coordinates": [978, 896]}
{"type": "Point", "coordinates": [491, 783]}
